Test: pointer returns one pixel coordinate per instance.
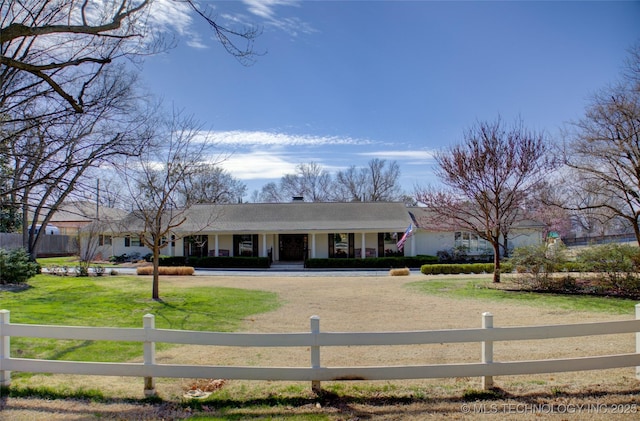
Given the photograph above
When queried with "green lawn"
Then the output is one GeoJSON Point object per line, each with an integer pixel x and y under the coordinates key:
{"type": "Point", "coordinates": [483, 290]}
{"type": "Point", "coordinates": [69, 261]}
{"type": "Point", "coordinates": [58, 261]}
{"type": "Point", "coordinates": [122, 301]}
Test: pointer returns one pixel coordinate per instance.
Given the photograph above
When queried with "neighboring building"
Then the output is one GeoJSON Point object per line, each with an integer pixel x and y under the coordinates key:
{"type": "Point", "coordinates": [71, 217]}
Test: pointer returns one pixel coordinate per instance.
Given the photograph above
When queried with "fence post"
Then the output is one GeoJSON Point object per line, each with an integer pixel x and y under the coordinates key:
{"type": "Point", "coordinates": [637, 341]}
{"type": "Point", "coordinates": [315, 352]}
{"type": "Point", "coordinates": [5, 375]}
{"type": "Point", "coordinates": [487, 350]}
{"type": "Point", "coordinates": [149, 323]}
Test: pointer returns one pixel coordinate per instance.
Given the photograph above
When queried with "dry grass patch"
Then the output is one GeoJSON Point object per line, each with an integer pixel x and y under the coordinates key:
{"type": "Point", "coordinates": [167, 270]}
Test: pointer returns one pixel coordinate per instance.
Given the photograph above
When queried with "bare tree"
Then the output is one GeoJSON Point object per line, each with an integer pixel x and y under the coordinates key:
{"type": "Point", "coordinates": [377, 182]}
{"type": "Point", "coordinates": [54, 57]}
{"type": "Point", "coordinates": [46, 45]}
{"type": "Point", "coordinates": [213, 185]}
{"type": "Point", "coordinates": [270, 193]}
{"type": "Point", "coordinates": [156, 180]}
{"type": "Point", "coordinates": [486, 181]}
{"type": "Point", "coordinates": [310, 181]}
{"type": "Point", "coordinates": [604, 149]}
{"type": "Point", "coordinates": [49, 160]}
{"type": "Point", "coordinates": [351, 185]}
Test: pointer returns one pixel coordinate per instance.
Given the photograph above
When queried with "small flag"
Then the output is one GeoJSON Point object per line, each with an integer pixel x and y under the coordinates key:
{"type": "Point", "coordinates": [406, 235]}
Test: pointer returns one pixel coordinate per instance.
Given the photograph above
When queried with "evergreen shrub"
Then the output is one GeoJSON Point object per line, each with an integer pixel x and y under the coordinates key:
{"type": "Point", "coordinates": [15, 266]}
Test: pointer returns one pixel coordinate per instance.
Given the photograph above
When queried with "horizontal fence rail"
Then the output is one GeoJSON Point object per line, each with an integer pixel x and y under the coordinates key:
{"type": "Point", "coordinates": [315, 339]}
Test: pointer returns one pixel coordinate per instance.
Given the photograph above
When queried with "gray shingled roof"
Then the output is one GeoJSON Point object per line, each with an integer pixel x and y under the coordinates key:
{"type": "Point", "coordinates": [303, 217]}
{"type": "Point", "coordinates": [295, 217]}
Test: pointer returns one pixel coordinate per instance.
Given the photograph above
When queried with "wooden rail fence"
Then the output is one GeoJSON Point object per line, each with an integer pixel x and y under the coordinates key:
{"type": "Point", "coordinates": [315, 339]}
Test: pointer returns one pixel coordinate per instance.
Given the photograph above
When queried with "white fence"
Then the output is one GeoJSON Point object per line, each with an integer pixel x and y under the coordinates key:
{"type": "Point", "coordinates": [315, 340]}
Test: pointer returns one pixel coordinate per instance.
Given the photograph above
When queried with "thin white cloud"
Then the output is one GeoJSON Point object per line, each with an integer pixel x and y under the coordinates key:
{"type": "Point", "coordinates": [266, 10]}
{"type": "Point", "coordinates": [404, 154]}
{"type": "Point", "coordinates": [169, 14]}
{"type": "Point", "coordinates": [253, 138]}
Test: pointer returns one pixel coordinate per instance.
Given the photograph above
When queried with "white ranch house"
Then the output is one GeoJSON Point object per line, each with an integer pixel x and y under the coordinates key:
{"type": "Point", "coordinates": [291, 232]}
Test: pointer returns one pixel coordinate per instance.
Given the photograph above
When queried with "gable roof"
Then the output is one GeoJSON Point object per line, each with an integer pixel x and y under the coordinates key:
{"type": "Point", "coordinates": [85, 211]}
{"type": "Point", "coordinates": [428, 220]}
{"type": "Point", "coordinates": [305, 216]}
{"type": "Point", "coordinates": [294, 217]}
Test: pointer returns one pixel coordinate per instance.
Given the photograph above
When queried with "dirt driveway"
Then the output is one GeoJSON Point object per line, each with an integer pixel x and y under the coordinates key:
{"type": "Point", "coordinates": [377, 303]}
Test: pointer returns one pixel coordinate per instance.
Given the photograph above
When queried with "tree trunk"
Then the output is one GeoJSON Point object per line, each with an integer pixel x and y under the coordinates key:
{"type": "Point", "coordinates": [636, 230]}
{"type": "Point", "coordinates": [496, 262]}
{"type": "Point", "coordinates": [156, 272]}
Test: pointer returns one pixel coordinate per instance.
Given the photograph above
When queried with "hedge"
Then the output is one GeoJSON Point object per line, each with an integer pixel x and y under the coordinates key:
{"type": "Point", "coordinates": [371, 262]}
{"type": "Point", "coordinates": [446, 269]}
{"type": "Point", "coordinates": [229, 262]}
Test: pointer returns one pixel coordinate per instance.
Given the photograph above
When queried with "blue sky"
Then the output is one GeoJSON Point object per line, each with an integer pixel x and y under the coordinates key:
{"type": "Point", "coordinates": [342, 82]}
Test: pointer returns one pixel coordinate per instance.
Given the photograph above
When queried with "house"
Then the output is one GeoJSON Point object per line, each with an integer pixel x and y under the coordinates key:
{"type": "Point", "coordinates": [283, 231]}
{"type": "Point", "coordinates": [430, 238]}
{"type": "Point", "coordinates": [295, 231]}
{"type": "Point", "coordinates": [71, 217]}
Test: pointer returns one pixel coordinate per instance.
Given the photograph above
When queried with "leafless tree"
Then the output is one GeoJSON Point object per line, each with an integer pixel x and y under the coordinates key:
{"type": "Point", "coordinates": [54, 57]}
{"type": "Point", "coordinates": [270, 193]}
{"type": "Point", "coordinates": [310, 181]}
{"type": "Point", "coordinates": [56, 49]}
{"type": "Point", "coordinates": [377, 182]}
{"type": "Point", "coordinates": [213, 185]}
{"type": "Point", "coordinates": [486, 181]}
{"type": "Point", "coordinates": [604, 149]}
{"type": "Point", "coordinates": [351, 185]}
{"type": "Point", "coordinates": [155, 180]}
{"type": "Point", "coordinates": [49, 160]}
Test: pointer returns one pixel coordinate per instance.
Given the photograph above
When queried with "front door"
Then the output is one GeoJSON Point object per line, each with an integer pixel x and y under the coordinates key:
{"type": "Point", "coordinates": [293, 247]}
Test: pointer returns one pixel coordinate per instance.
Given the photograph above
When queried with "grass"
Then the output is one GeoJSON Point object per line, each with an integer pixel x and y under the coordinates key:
{"type": "Point", "coordinates": [467, 288]}
{"type": "Point", "coordinates": [121, 301]}
{"type": "Point", "coordinates": [58, 261]}
{"type": "Point", "coordinates": [69, 261]}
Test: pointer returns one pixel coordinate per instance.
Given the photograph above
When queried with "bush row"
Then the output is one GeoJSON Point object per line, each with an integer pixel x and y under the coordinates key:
{"type": "Point", "coordinates": [448, 269]}
{"type": "Point", "coordinates": [229, 262]}
{"type": "Point", "coordinates": [371, 262]}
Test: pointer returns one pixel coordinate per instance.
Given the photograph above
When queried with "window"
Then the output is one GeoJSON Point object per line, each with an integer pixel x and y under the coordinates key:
{"type": "Point", "coordinates": [173, 241]}
{"type": "Point", "coordinates": [341, 245]}
{"type": "Point", "coordinates": [387, 244]}
{"type": "Point", "coordinates": [471, 242]}
{"type": "Point", "coordinates": [132, 241]}
{"type": "Point", "coordinates": [104, 240]}
{"type": "Point", "coordinates": [245, 245]}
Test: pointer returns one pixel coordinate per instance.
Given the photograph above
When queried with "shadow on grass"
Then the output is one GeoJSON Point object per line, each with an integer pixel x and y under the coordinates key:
{"type": "Point", "coordinates": [322, 406]}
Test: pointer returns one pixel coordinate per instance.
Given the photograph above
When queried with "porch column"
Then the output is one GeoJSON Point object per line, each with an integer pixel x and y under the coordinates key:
{"type": "Point", "coordinates": [413, 245]}
{"type": "Point", "coordinates": [313, 245]}
{"type": "Point", "coordinates": [215, 245]}
{"type": "Point", "coordinates": [363, 252]}
{"type": "Point", "coordinates": [264, 245]}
